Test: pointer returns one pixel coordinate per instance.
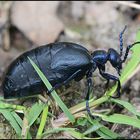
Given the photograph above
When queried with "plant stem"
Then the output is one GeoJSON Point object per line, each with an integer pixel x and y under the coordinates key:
{"type": "Point", "coordinates": [82, 106]}
{"type": "Point", "coordinates": [25, 127]}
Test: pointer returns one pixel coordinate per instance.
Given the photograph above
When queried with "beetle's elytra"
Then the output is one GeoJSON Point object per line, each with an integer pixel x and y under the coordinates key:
{"type": "Point", "coordinates": [60, 62]}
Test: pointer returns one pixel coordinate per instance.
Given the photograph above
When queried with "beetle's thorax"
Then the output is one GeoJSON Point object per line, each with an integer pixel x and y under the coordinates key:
{"type": "Point", "coordinates": [100, 57]}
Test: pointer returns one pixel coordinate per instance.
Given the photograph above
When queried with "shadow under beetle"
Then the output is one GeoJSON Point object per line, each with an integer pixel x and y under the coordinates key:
{"type": "Point", "coordinates": [61, 62]}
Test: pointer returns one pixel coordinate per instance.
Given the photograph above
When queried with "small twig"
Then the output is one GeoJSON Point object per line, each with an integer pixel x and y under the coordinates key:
{"type": "Point", "coordinates": [114, 127]}
{"type": "Point", "coordinates": [130, 4]}
{"type": "Point", "coordinates": [25, 127]}
{"type": "Point", "coordinates": [6, 39]}
{"type": "Point", "coordinates": [43, 99]}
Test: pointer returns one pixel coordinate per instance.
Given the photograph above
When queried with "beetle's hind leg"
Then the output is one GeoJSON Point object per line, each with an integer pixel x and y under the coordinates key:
{"type": "Point", "coordinates": [89, 85]}
{"type": "Point", "coordinates": [114, 78]}
{"type": "Point", "coordinates": [65, 82]}
{"type": "Point", "coordinates": [107, 83]}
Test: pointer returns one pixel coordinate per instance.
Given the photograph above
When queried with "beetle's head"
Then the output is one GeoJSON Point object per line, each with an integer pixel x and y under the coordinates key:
{"type": "Point", "coordinates": [115, 59]}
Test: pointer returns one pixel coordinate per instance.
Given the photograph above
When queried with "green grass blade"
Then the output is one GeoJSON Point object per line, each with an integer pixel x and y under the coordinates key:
{"type": "Point", "coordinates": [101, 130]}
{"type": "Point", "coordinates": [92, 129]}
{"type": "Point", "coordinates": [121, 119]}
{"type": "Point", "coordinates": [17, 118]}
{"type": "Point", "coordinates": [1, 98]}
{"type": "Point", "coordinates": [20, 122]}
{"type": "Point", "coordinates": [71, 131]}
{"type": "Point", "coordinates": [54, 94]}
{"type": "Point", "coordinates": [82, 121]}
{"type": "Point", "coordinates": [103, 136]}
{"type": "Point", "coordinates": [77, 135]}
{"type": "Point", "coordinates": [134, 61]}
{"type": "Point", "coordinates": [43, 122]}
{"type": "Point", "coordinates": [63, 107]}
{"type": "Point", "coordinates": [109, 133]}
{"type": "Point", "coordinates": [4, 105]}
{"type": "Point", "coordinates": [55, 130]}
{"type": "Point", "coordinates": [7, 114]}
{"type": "Point", "coordinates": [127, 105]}
{"type": "Point", "coordinates": [34, 112]}
{"type": "Point", "coordinates": [105, 133]}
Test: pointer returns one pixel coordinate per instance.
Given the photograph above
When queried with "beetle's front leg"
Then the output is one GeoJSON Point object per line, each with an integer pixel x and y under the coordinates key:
{"type": "Point", "coordinates": [114, 78]}
{"type": "Point", "coordinates": [107, 83]}
{"type": "Point", "coordinates": [118, 71]}
{"type": "Point", "coordinates": [102, 68]}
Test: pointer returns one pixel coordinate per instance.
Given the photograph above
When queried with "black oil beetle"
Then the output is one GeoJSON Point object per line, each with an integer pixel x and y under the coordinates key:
{"type": "Point", "coordinates": [61, 62]}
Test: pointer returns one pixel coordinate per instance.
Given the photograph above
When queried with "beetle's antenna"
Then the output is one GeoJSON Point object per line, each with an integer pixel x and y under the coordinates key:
{"type": "Point", "coordinates": [127, 50]}
{"type": "Point", "coordinates": [121, 40]}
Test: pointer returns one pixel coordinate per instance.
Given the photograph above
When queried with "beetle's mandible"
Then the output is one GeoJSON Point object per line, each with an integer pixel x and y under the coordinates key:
{"type": "Point", "coordinates": [61, 62]}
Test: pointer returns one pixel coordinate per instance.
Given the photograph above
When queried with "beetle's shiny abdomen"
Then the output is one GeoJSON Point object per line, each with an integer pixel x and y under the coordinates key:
{"type": "Point", "coordinates": [21, 79]}
{"type": "Point", "coordinates": [57, 61]}
{"type": "Point", "coordinates": [69, 60]}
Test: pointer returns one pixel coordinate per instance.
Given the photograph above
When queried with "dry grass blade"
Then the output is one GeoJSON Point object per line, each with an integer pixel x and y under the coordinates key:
{"type": "Point", "coordinates": [25, 127]}
{"type": "Point", "coordinates": [130, 4]}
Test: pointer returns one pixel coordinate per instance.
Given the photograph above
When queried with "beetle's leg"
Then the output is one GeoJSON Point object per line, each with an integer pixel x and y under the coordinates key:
{"type": "Point", "coordinates": [121, 39]}
{"type": "Point", "coordinates": [118, 71]}
{"type": "Point", "coordinates": [89, 84]}
{"type": "Point", "coordinates": [107, 83]}
{"type": "Point", "coordinates": [102, 67]}
{"type": "Point", "coordinates": [112, 77]}
{"type": "Point", "coordinates": [65, 82]}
